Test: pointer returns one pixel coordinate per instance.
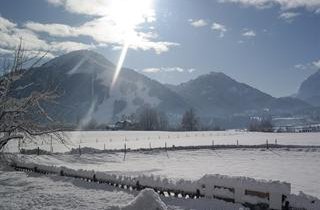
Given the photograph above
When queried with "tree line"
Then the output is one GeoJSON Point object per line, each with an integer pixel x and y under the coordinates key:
{"type": "Point", "coordinates": [148, 118]}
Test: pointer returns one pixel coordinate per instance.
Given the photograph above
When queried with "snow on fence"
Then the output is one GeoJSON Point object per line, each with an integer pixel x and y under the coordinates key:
{"type": "Point", "coordinates": [242, 190]}
{"type": "Point", "coordinates": [245, 190]}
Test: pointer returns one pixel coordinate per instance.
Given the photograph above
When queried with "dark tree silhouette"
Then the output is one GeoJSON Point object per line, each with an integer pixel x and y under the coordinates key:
{"type": "Point", "coordinates": [189, 121]}
{"type": "Point", "coordinates": [148, 119]}
{"type": "Point", "coordinates": [163, 121]}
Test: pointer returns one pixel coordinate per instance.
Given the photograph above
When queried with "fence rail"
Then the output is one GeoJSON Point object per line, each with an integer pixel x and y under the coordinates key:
{"type": "Point", "coordinates": [83, 150]}
{"type": "Point", "coordinates": [134, 187]}
{"type": "Point", "coordinates": [137, 186]}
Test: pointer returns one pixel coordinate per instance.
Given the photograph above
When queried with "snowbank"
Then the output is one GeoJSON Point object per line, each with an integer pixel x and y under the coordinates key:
{"type": "Point", "coordinates": [304, 201]}
{"type": "Point", "coordinates": [147, 199]}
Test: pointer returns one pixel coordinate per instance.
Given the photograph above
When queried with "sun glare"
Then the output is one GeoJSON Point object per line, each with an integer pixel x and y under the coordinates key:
{"type": "Point", "coordinates": [128, 15]}
{"type": "Point", "coordinates": [119, 64]}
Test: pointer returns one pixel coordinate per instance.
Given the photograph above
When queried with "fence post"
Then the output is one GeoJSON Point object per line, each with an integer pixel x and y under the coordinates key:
{"type": "Point", "coordinates": [51, 146]}
{"type": "Point", "coordinates": [19, 142]}
{"type": "Point", "coordinates": [138, 185]}
{"type": "Point", "coordinates": [267, 144]}
{"type": "Point", "coordinates": [125, 151]}
{"type": "Point", "coordinates": [198, 193]}
{"type": "Point", "coordinates": [104, 146]}
{"type": "Point", "coordinates": [79, 150]}
{"type": "Point", "coordinates": [38, 151]}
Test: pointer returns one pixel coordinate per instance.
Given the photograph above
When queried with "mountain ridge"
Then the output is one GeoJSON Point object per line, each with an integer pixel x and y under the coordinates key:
{"type": "Point", "coordinates": [83, 80]}
{"type": "Point", "coordinates": [217, 90]}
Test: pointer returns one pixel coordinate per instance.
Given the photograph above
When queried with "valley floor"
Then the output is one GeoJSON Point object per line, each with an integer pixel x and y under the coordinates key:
{"type": "Point", "coordinates": [19, 190]}
{"type": "Point", "coordinates": [300, 167]}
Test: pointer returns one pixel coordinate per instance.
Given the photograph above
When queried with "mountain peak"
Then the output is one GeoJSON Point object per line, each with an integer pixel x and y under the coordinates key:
{"type": "Point", "coordinates": [78, 56]}
{"type": "Point", "coordinates": [220, 75]}
{"type": "Point", "coordinates": [84, 53]}
{"type": "Point", "coordinates": [220, 95]}
{"type": "Point", "coordinates": [309, 89]}
{"type": "Point", "coordinates": [83, 79]}
{"type": "Point", "coordinates": [212, 78]}
{"type": "Point", "coordinates": [214, 73]}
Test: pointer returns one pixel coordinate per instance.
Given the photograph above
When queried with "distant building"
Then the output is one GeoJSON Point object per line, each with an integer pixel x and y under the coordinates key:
{"type": "Point", "coordinates": [295, 125]}
{"type": "Point", "coordinates": [122, 125]}
{"type": "Point", "coordinates": [298, 129]}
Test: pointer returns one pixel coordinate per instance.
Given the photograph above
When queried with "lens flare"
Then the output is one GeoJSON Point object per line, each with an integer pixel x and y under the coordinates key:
{"type": "Point", "coordinates": [128, 15]}
{"type": "Point", "coordinates": [120, 64]}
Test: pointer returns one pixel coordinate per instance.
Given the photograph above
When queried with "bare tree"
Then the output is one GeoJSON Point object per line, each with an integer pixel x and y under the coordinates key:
{"type": "Point", "coordinates": [163, 121]}
{"type": "Point", "coordinates": [148, 118]}
{"type": "Point", "coordinates": [189, 121]}
{"type": "Point", "coordinates": [23, 117]}
{"type": "Point", "coordinates": [263, 124]}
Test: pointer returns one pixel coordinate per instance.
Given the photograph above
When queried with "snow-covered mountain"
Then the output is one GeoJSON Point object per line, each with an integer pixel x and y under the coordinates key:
{"type": "Point", "coordinates": [219, 95]}
{"type": "Point", "coordinates": [83, 80]}
{"type": "Point", "coordinates": [310, 89]}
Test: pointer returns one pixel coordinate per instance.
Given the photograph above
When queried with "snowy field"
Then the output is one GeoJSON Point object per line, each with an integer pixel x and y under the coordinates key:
{"type": "Point", "coordinates": [300, 167]}
{"type": "Point", "coordinates": [146, 139]}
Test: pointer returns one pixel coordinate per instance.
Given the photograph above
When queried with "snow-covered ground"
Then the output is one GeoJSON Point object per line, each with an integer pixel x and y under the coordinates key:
{"type": "Point", "coordinates": [300, 167]}
{"type": "Point", "coordinates": [19, 190]}
{"type": "Point", "coordinates": [145, 139]}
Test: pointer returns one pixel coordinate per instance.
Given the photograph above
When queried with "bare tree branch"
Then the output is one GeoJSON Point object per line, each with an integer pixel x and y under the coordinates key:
{"type": "Point", "coordinates": [24, 117]}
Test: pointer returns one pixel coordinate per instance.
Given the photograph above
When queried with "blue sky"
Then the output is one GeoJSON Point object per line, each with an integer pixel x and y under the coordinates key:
{"type": "Point", "coordinates": [272, 45]}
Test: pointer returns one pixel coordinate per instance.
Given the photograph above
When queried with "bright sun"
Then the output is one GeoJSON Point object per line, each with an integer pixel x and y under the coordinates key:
{"type": "Point", "coordinates": [128, 15]}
